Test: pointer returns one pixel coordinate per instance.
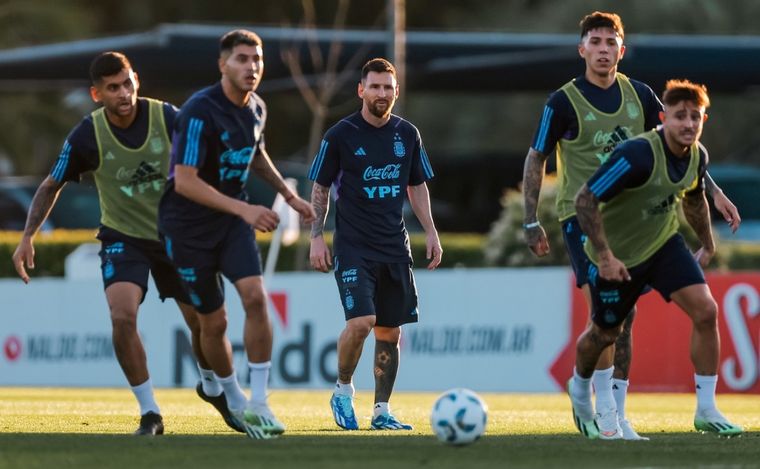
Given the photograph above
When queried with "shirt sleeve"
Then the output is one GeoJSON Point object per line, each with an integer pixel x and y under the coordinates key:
{"type": "Point", "coordinates": [326, 164]}
{"type": "Point", "coordinates": [79, 154]}
{"type": "Point", "coordinates": [191, 132]}
{"type": "Point", "coordinates": [629, 166]}
{"type": "Point", "coordinates": [170, 115]}
{"type": "Point", "coordinates": [554, 124]}
{"type": "Point", "coordinates": [421, 169]}
{"type": "Point", "coordinates": [699, 184]}
{"type": "Point", "coordinates": [651, 104]}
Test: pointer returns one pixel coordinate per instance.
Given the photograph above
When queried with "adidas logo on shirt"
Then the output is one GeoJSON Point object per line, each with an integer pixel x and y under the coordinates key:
{"type": "Point", "coordinates": [360, 152]}
{"type": "Point", "coordinates": [589, 117]}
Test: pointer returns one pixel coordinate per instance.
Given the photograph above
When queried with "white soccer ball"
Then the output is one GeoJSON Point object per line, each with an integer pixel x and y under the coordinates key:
{"type": "Point", "coordinates": [459, 417]}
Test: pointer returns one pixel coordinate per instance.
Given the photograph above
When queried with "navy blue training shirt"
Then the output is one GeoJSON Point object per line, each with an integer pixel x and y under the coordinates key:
{"type": "Point", "coordinates": [371, 168]}
{"type": "Point", "coordinates": [638, 154]}
{"type": "Point", "coordinates": [219, 138]}
{"type": "Point", "coordinates": [563, 123]}
{"type": "Point", "coordinates": [80, 149]}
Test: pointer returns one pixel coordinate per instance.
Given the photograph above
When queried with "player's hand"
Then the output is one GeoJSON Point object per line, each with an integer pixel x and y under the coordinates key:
{"type": "Point", "coordinates": [433, 250]}
{"type": "Point", "coordinates": [613, 270]}
{"type": "Point", "coordinates": [704, 256]}
{"type": "Point", "coordinates": [260, 217]}
{"type": "Point", "coordinates": [319, 255]}
{"type": "Point", "coordinates": [537, 240]}
{"type": "Point", "coordinates": [729, 211]}
{"type": "Point", "coordinates": [304, 209]}
{"type": "Point", "coordinates": [24, 254]}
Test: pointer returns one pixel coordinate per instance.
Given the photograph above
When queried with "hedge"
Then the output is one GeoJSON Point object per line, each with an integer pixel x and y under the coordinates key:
{"type": "Point", "coordinates": [51, 249]}
{"type": "Point", "coordinates": [460, 250]}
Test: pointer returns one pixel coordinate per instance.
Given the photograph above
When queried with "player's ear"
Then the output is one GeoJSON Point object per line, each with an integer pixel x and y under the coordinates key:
{"type": "Point", "coordinates": [137, 81]}
{"type": "Point", "coordinates": [662, 116]}
{"type": "Point", "coordinates": [95, 94]}
{"type": "Point", "coordinates": [704, 118]}
{"type": "Point", "coordinates": [622, 51]}
{"type": "Point", "coordinates": [360, 90]}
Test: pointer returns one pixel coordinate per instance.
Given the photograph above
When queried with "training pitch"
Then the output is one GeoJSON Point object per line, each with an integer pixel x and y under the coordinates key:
{"type": "Point", "coordinates": [55, 428]}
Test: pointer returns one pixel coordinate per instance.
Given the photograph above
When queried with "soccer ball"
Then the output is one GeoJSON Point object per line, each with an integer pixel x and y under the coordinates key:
{"type": "Point", "coordinates": [459, 417]}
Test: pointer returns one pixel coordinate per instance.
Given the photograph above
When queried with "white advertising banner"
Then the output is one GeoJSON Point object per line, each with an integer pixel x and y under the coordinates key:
{"type": "Point", "coordinates": [486, 329]}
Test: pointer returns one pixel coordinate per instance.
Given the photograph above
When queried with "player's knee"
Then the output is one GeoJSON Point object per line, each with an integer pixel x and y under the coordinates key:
{"type": "Point", "coordinates": [123, 318]}
{"type": "Point", "coordinates": [705, 315]}
{"type": "Point", "coordinates": [214, 325]}
{"type": "Point", "coordinates": [254, 303]}
{"type": "Point", "coordinates": [360, 327]}
{"type": "Point", "coordinates": [388, 334]}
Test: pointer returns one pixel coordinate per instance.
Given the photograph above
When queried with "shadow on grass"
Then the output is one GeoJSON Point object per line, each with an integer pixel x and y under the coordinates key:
{"type": "Point", "coordinates": [365, 449]}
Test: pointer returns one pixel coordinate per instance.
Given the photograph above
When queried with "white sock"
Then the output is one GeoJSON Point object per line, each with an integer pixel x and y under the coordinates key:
{"type": "Point", "coordinates": [144, 395]}
{"type": "Point", "coordinates": [602, 381]}
{"type": "Point", "coordinates": [581, 387]}
{"type": "Point", "coordinates": [208, 381]}
{"type": "Point", "coordinates": [620, 391]}
{"type": "Point", "coordinates": [259, 381]}
{"type": "Point", "coordinates": [705, 388]}
{"type": "Point", "coordinates": [235, 398]}
{"type": "Point", "coordinates": [346, 389]}
{"type": "Point", "coordinates": [382, 408]}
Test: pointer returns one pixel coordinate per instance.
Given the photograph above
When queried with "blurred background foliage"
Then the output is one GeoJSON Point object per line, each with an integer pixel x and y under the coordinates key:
{"type": "Point", "coordinates": [478, 140]}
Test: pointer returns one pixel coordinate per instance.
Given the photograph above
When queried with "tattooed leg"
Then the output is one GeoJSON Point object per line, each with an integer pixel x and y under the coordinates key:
{"type": "Point", "coordinates": [386, 368]}
{"type": "Point", "coordinates": [624, 348]}
{"type": "Point", "coordinates": [590, 346]}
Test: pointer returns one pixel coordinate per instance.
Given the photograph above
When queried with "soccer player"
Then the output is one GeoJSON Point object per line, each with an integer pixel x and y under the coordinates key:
{"type": "Point", "coordinates": [633, 243]}
{"type": "Point", "coordinates": [207, 224]}
{"type": "Point", "coordinates": [585, 119]}
{"type": "Point", "coordinates": [126, 145]}
{"type": "Point", "coordinates": [372, 158]}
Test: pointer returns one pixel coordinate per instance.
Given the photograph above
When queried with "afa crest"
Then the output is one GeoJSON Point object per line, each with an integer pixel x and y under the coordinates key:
{"type": "Point", "coordinates": [632, 109]}
{"type": "Point", "coordinates": [398, 146]}
{"type": "Point", "coordinates": [157, 145]}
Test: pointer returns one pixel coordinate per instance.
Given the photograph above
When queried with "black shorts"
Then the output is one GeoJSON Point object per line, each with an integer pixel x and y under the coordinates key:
{"type": "Point", "coordinates": [574, 239]}
{"type": "Point", "coordinates": [385, 290]}
{"type": "Point", "coordinates": [124, 258]}
{"type": "Point", "coordinates": [235, 256]}
{"type": "Point", "coordinates": [670, 268]}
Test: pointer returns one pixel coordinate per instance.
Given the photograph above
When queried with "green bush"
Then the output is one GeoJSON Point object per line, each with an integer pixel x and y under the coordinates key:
{"type": "Point", "coordinates": [51, 249]}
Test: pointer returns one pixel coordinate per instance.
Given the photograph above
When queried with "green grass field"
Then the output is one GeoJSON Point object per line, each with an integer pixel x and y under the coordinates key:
{"type": "Point", "coordinates": [53, 428]}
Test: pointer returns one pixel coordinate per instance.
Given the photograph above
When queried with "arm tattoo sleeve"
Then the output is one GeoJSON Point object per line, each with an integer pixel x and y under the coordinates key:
{"type": "Point", "coordinates": [697, 215]}
{"type": "Point", "coordinates": [42, 203]}
{"type": "Point", "coordinates": [710, 185]}
{"type": "Point", "coordinates": [590, 218]}
{"type": "Point", "coordinates": [320, 200]}
{"type": "Point", "coordinates": [533, 176]}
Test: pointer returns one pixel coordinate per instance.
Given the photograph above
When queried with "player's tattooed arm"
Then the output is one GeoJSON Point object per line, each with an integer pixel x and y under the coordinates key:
{"type": "Point", "coordinates": [722, 203]}
{"type": "Point", "coordinates": [533, 176]}
{"type": "Point", "coordinates": [42, 203]}
{"type": "Point", "coordinates": [320, 200]}
{"type": "Point", "coordinates": [698, 216]}
{"type": "Point", "coordinates": [386, 367]}
{"type": "Point", "coordinates": [590, 218]}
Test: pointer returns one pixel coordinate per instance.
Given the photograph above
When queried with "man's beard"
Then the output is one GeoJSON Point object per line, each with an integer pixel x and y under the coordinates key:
{"type": "Point", "coordinates": [377, 112]}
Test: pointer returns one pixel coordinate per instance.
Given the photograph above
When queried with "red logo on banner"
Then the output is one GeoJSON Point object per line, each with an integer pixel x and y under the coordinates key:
{"type": "Point", "coordinates": [12, 348]}
{"type": "Point", "coordinates": [280, 303]}
{"type": "Point", "coordinates": [662, 333]}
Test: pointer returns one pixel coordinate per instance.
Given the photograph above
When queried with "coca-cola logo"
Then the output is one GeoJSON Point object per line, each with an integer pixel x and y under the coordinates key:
{"type": "Point", "coordinates": [389, 172]}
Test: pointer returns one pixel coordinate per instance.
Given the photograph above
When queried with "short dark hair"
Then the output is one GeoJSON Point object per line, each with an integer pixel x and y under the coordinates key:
{"type": "Point", "coordinates": [237, 37]}
{"type": "Point", "coordinates": [684, 90]}
{"type": "Point", "coordinates": [107, 64]}
{"type": "Point", "coordinates": [601, 19]}
{"type": "Point", "coordinates": [378, 65]}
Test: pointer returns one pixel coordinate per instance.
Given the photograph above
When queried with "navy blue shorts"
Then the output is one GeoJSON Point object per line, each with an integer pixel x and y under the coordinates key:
{"type": "Point", "coordinates": [574, 239]}
{"type": "Point", "coordinates": [124, 258]}
{"type": "Point", "coordinates": [385, 290]}
{"type": "Point", "coordinates": [670, 268]}
{"type": "Point", "coordinates": [235, 256]}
